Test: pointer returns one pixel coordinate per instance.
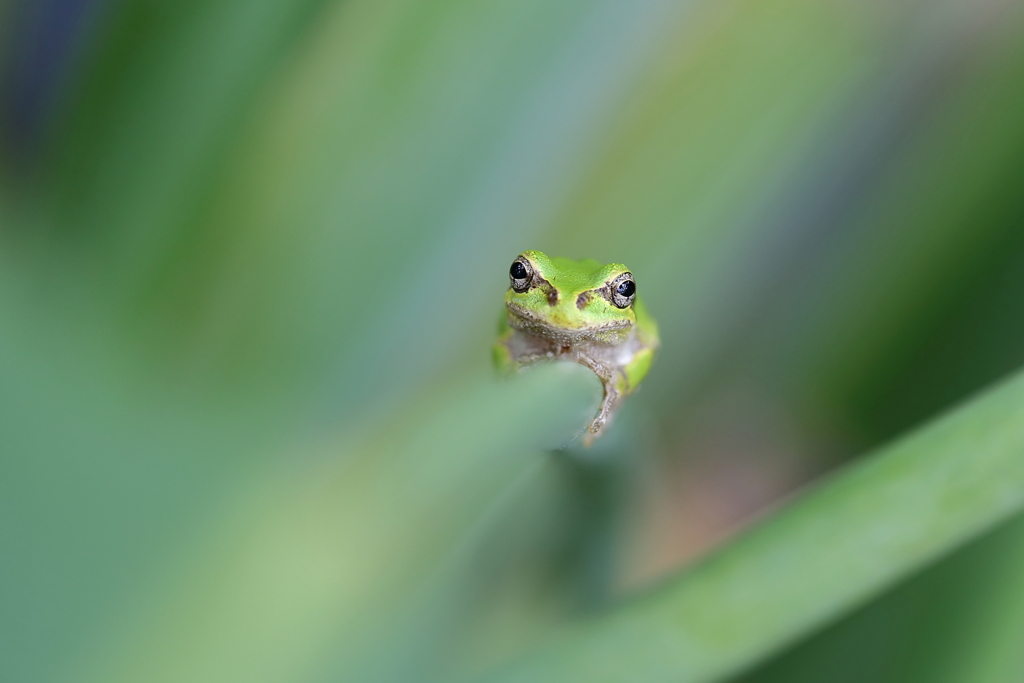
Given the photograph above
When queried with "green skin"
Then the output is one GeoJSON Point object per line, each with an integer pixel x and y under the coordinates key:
{"type": "Point", "coordinates": [568, 311]}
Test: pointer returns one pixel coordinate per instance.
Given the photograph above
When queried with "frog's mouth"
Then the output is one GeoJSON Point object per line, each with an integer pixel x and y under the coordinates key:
{"type": "Point", "coordinates": [527, 321]}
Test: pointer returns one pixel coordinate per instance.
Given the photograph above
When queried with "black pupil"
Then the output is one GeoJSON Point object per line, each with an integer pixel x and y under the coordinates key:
{"type": "Point", "coordinates": [518, 271]}
{"type": "Point", "coordinates": [626, 288]}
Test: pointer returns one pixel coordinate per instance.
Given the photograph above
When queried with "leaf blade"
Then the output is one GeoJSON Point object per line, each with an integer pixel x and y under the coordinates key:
{"type": "Point", "coordinates": [843, 542]}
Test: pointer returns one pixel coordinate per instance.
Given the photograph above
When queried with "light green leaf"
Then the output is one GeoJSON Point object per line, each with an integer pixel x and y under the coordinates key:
{"type": "Point", "coordinates": [829, 551]}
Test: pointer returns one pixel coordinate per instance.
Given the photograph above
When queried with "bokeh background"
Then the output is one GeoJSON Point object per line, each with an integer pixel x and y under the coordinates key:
{"type": "Point", "coordinates": [251, 263]}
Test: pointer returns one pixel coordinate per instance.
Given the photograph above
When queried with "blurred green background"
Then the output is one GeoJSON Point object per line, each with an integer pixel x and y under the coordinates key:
{"type": "Point", "coordinates": [251, 262]}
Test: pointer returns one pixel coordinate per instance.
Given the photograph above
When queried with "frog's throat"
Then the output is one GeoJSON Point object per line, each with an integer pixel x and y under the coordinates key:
{"type": "Point", "coordinates": [526, 321]}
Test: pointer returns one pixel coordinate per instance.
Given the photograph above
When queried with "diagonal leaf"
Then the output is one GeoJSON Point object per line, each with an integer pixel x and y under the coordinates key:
{"type": "Point", "coordinates": [837, 546]}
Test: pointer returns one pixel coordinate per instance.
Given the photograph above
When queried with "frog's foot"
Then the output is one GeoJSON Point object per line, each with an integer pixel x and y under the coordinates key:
{"type": "Point", "coordinates": [605, 411]}
{"type": "Point", "coordinates": [603, 418]}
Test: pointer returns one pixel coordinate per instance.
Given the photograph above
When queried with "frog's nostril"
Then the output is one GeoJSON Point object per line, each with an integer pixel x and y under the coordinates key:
{"type": "Point", "coordinates": [582, 300]}
{"type": "Point", "coordinates": [552, 296]}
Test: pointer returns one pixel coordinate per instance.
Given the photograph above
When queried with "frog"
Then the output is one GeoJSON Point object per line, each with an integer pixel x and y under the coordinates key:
{"type": "Point", "coordinates": [560, 309]}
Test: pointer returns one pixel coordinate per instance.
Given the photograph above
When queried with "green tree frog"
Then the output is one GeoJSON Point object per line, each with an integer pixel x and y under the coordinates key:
{"type": "Point", "coordinates": [580, 311]}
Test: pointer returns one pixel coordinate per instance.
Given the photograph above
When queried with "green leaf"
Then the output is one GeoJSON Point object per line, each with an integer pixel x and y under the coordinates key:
{"type": "Point", "coordinates": [832, 549]}
{"type": "Point", "coordinates": [336, 555]}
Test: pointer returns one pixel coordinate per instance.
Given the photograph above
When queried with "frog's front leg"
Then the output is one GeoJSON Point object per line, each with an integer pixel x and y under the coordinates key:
{"type": "Point", "coordinates": [613, 382]}
{"type": "Point", "coordinates": [515, 350]}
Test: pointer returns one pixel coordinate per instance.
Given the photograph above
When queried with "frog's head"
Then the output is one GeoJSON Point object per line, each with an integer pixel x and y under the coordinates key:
{"type": "Point", "coordinates": [565, 300]}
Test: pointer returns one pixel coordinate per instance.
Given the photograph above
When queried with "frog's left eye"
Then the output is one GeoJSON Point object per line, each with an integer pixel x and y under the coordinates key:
{"type": "Point", "coordinates": [623, 290]}
{"type": "Point", "coordinates": [521, 274]}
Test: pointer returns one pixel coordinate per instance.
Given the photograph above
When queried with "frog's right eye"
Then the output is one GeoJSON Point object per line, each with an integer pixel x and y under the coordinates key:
{"type": "Point", "coordinates": [623, 290]}
{"type": "Point", "coordinates": [521, 274]}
